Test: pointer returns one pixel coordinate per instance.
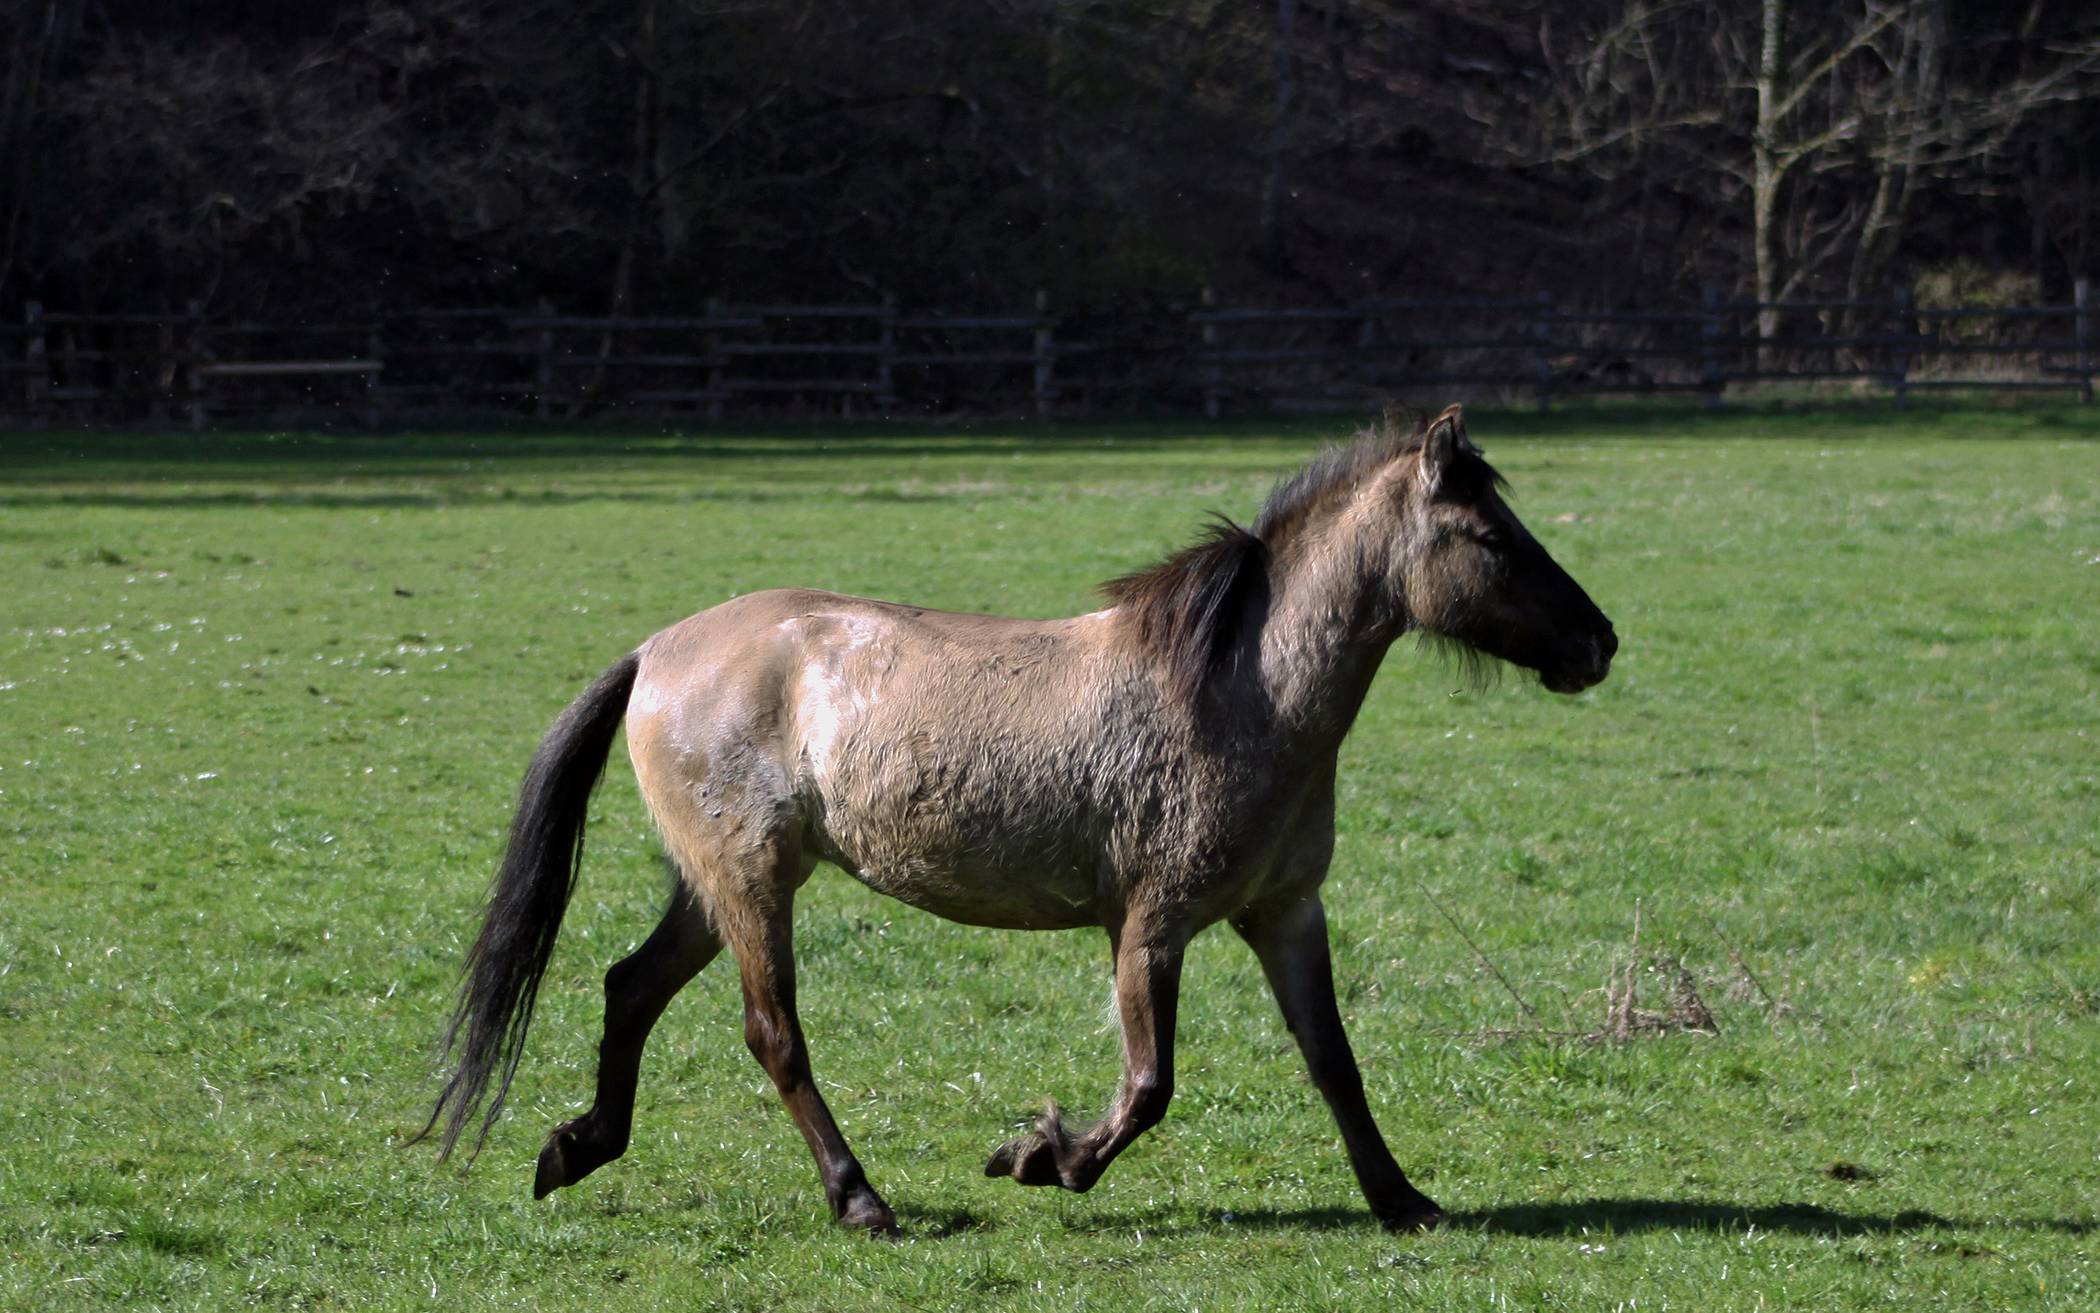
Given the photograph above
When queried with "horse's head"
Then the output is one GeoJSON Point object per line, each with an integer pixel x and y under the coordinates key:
{"type": "Point", "coordinates": [1471, 573]}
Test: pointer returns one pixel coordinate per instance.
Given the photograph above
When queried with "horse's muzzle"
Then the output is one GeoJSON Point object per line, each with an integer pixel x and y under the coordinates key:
{"type": "Point", "coordinates": [1589, 661]}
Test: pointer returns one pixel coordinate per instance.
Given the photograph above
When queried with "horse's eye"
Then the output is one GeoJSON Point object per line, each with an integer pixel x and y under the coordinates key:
{"type": "Point", "coordinates": [1490, 537]}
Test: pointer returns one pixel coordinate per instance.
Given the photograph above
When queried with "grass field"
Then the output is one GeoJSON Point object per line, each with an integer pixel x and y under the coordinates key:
{"type": "Point", "coordinates": [264, 700]}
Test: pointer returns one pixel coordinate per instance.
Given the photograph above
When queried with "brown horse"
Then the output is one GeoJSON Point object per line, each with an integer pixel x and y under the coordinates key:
{"type": "Point", "coordinates": [1150, 769]}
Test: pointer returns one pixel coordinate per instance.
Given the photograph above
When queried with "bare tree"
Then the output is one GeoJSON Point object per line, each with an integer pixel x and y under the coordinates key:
{"type": "Point", "coordinates": [2059, 181]}
{"type": "Point", "coordinates": [1276, 187]}
{"type": "Point", "coordinates": [33, 39]}
{"type": "Point", "coordinates": [628, 154]}
{"type": "Point", "coordinates": [1826, 121]}
{"type": "Point", "coordinates": [1788, 132]}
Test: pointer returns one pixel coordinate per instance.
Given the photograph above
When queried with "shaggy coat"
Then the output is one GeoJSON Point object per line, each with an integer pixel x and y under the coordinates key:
{"type": "Point", "coordinates": [1151, 769]}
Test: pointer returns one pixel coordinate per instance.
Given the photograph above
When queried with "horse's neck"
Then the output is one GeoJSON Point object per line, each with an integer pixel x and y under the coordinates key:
{"type": "Point", "coordinates": [1331, 618]}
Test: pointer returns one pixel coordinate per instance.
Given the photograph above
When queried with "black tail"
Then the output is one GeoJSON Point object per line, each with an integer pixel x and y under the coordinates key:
{"type": "Point", "coordinates": [526, 902]}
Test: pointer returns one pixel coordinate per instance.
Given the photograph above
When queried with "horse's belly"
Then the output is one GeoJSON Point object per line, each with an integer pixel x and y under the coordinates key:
{"type": "Point", "coordinates": [992, 826]}
{"type": "Point", "coordinates": [977, 866]}
{"type": "Point", "coordinates": [981, 864]}
{"type": "Point", "coordinates": [1007, 900]}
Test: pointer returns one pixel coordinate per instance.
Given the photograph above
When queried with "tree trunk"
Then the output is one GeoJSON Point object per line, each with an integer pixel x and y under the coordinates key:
{"type": "Point", "coordinates": [641, 169]}
{"type": "Point", "coordinates": [641, 184]}
{"type": "Point", "coordinates": [1913, 104]}
{"type": "Point", "coordinates": [1052, 111]}
{"type": "Point", "coordinates": [1765, 174]}
{"type": "Point", "coordinates": [37, 50]}
{"type": "Point", "coordinates": [1276, 194]}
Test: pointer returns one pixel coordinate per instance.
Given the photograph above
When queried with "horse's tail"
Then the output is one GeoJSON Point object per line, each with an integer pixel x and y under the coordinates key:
{"type": "Point", "coordinates": [526, 902]}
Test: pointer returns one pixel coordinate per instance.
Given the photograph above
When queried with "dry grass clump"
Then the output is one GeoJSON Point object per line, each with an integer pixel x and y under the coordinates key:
{"type": "Point", "coordinates": [1673, 1003]}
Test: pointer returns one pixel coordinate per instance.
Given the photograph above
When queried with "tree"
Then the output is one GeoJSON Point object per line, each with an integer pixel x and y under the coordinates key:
{"type": "Point", "coordinates": [626, 155]}
{"type": "Point", "coordinates": [1826, 122]}
{"type": "Point", "coordinates": [35, 38]}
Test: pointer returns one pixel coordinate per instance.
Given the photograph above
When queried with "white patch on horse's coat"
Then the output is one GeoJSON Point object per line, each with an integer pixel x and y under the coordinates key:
{"type": "Point", "coordinates": [820, 716]}
{"type": "Point", "coordinates": [648, 700]}
{"type": "Point", "coordinates": [829, 695]}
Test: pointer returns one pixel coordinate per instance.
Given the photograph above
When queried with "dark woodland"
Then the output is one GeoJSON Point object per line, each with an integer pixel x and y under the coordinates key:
{"type": "Point", "coordinates": [629, 156]}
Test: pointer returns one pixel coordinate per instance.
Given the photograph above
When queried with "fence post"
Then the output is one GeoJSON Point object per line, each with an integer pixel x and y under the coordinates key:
{"type": "Point", "coordinates": [1045, 362]}
{"type": "Point", "coordinates": [1904, 327]}
{"type": "Point", "coordinates": [543, 379]}
{"type": "Point", "coordinates": [78, 377]}
{"type": "Point", "coordinates": [36, 383]}
{"type": "Point", "coordinates": [160, 392]}
{"type": "Point", "coordinates": [2082, 297]}
{"type": "Point", "coordinates": [886, 355]}
{"type": "Point", "coordinates": [376, 353]}
{"type": "Point", "coordinates": [1711, 330]}
{"type": "Point", "coordinates": [1357, 364]}
{"type": "Point", "coordinates": [1541, 344]}
{"type": "Point", "coordinates": [713, 344]}
{"type": "Point", "coordinates": [1213, 377]}
{"type": "Point", "coordinates": [196, 354]}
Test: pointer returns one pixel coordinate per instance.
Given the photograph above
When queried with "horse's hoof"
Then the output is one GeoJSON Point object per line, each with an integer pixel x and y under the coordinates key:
{"type": "Point", "coordinates": [553, 1171]}
{"type": "Point", "coordinates": [1413, 1218]}
{"type": "Point", "coordinates": [1001, 1163]}
{"type": "Point", "coordinates": [569, 1155]}
{"type": "Point", "coordinates": [1030, 1159]}
{"type": "Point", "coordinates": [870, 1216]}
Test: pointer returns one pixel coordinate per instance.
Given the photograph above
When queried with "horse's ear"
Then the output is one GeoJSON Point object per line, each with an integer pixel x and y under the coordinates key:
{"type": "Point", "coordinates": [1441, 445]}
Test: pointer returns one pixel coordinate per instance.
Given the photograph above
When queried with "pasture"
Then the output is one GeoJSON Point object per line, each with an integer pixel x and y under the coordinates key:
{"type": "Point", "coordinates": [264, 702]}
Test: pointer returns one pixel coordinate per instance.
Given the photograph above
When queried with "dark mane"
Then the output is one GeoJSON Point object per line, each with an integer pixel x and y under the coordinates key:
{"type": "Point", "coordinates": [1189, 609]}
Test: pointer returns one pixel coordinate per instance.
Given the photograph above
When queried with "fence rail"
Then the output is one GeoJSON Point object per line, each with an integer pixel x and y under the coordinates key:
{"type": "Point", "coordinates": [76, 367]}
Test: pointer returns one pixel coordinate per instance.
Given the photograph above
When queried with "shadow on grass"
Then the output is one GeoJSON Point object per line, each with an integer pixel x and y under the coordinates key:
{"type": "Point", "coordinates": [133, 455]}
{"type": "Point", "coordinates": [1624, 1216]}
{"type": "Point", "coordinates": [1297, 1219]}
{"type": "Point", "coordinates": [923, 1223]}
{"type": "Point", "coordinates": [341, 499]}
{"type": "Point", "coordinates": [135, 470]}
{"type": "Point", "coordinates": [94, 456]}
{"type": "Point", "coordinates": [1576, 1219]}
{"type": "Point", "coordinates": [151, 471]}
{"type": "Point", "coordinates": [1588, 1217]}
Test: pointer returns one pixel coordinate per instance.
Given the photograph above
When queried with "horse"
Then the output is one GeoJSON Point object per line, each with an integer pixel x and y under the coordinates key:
{"type": "Point", "coordinates": [1149, 769]}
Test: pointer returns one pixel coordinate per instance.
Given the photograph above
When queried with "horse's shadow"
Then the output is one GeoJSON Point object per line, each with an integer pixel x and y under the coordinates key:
{"type": "Point", "coordinates": [1571, 1219]}
{"type": "Point", "coordinates": [1580, 1217]}
{"type": "Point", "coordinates": [1627, 1216]}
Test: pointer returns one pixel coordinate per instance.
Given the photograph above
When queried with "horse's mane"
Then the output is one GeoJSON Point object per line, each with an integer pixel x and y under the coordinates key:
{"type": "Point", "coordinates": [1188, 610]}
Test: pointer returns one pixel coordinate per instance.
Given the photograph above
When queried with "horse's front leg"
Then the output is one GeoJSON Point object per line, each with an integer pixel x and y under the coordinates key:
{"type": "Point", "coordinates": [1148, 951]}
{"type": "Point", "coordinates": [1291, 942]}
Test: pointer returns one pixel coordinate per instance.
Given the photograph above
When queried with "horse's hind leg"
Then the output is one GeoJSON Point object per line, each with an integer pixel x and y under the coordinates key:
{"type": "Point", "coordinates": [637, 990]}
{"type": "Point", "coordinates": [1292, 945]}
{"type": "Point", "coordinates": [759, 929]}
{"type": "Point", "coordinates": [1148, 989]}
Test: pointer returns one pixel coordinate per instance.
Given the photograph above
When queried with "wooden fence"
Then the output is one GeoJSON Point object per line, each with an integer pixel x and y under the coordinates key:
{"type": "Point", "coordinates": [874, 359]}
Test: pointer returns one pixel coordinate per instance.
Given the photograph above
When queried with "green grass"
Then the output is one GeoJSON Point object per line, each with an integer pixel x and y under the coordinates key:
{"type": "Point", "coordinates": [264, 700]}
